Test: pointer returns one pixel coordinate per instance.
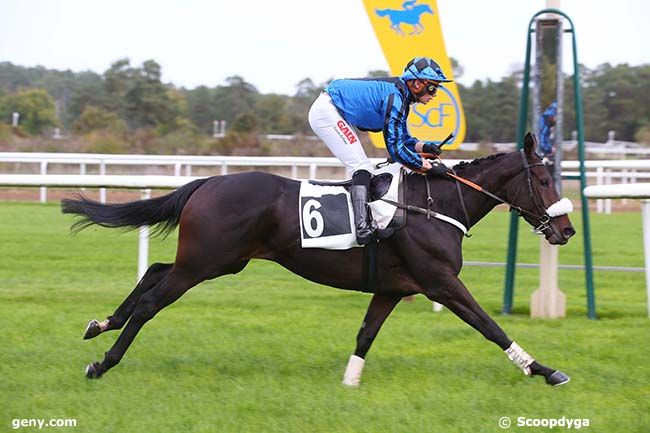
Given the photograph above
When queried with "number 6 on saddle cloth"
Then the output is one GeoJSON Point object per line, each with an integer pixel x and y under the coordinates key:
{"type": "Point", "coordinates": [327, 219]}
{"type": "Point", "coordinates": [325, 209]}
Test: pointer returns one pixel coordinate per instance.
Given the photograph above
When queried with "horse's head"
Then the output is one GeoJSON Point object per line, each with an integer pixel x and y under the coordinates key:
{"type": "Point", "coordinates": [533, 194]}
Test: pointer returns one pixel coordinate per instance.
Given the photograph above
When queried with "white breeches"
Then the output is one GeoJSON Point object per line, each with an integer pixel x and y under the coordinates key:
{"type": "Point", "coordinates": [339, 136]}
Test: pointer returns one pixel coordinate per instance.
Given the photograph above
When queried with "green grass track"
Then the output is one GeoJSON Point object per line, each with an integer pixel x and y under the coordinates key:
{"type": "Point", "coordinates": [265, 351]}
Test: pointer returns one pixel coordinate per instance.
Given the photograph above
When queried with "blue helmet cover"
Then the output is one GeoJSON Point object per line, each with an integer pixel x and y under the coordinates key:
{"type": "Point", "coordinates": [424, 68]}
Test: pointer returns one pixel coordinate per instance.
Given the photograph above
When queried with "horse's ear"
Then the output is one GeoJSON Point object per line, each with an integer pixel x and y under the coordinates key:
{"type": "Point", "coordinates": [530, 143]}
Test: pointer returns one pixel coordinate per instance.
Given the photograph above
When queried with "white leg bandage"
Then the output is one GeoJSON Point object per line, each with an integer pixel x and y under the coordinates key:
{"type": "Point", "coordinates": [352, 376]}
{"type": "Point", "coordinates": [519, 357]}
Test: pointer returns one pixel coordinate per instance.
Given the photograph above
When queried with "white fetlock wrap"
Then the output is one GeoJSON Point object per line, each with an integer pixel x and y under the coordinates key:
{"type": "Point", "coordinates": [352, 376]}
{"type": "Point", "coordinates": [561, 207]}
{"type": "Point", "coordinates": [519, 357]}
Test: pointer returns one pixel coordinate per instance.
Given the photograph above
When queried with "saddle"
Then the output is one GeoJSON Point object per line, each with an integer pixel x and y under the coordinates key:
{"type": "Point", "coordinates": [379, 185]}
{"type": "Point", "coordinates": [326, 215]}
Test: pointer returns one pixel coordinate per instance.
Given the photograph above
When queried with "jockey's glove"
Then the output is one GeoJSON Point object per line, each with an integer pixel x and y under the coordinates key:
{"type": "Point", "coordinates": [431, 148]}
{"type": "Point", "coordinates": [438, 169]}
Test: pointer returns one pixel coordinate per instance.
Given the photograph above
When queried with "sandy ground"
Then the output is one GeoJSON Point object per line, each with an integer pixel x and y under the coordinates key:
{"type": "Point", "coordinates": [56, 194]}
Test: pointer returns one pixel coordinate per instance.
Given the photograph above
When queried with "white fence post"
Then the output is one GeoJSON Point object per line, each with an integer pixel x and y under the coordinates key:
{"type": "Point", "coordinates": [600, 179]}
{"type": "Point", "coordinates": [143, 243]}
{"type": "Point", "coordinates": [102, 172]}
{"type": "Point", "coordinates": [608, 201]}
{"type": "Point", "coordinates": [638, 191]}
{"type": "Point", "coordinates": [624, 179]}
{"type": "Point", "coordinates": [645, 210]}
{"type": "Point", "coordinates": [82, 172]}
{"type": "Point", "coordinates": [43, 188]}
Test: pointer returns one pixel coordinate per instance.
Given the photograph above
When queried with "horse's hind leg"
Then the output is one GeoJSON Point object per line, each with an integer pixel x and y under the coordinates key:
{"type": "Point", "coordinates": [169, 289]}
{"type": "Point", "coordinates": [381, 305]}
{"type": "Point", "coordinates": [458, 299]}
{"type": "Point", "coordinates": [172, 287]}
{"type": "Point", "coordinates": [154, 274]}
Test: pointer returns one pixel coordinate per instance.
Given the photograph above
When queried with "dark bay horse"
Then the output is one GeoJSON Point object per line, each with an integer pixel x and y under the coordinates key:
{"type": "Point", "coordinates": [227, 220]}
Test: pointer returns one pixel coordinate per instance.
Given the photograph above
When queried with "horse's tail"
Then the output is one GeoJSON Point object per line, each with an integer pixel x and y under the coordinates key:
{"type": "Point", "coordinates": [383, 12]}
{"type": "Point", "coordinates": [163, 212]}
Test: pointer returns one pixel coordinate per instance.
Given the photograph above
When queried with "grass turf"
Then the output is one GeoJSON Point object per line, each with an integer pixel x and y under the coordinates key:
{"type": "Point", "coordinates": [264, 351]}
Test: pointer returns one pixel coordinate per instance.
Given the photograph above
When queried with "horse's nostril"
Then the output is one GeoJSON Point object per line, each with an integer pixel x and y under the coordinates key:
{"type": "Point", "coordinates": [568, 232]}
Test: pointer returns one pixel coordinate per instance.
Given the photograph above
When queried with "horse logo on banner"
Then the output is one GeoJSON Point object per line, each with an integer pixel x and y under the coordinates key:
{"type": "Point", "coordinates": [435, 120]}
{"type": "Point", "coordinates": [410, 14]}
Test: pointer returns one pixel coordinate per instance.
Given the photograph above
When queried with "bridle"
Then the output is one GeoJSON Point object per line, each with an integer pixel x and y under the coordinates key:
{"type": "Point", "coordinates": [542, 217]}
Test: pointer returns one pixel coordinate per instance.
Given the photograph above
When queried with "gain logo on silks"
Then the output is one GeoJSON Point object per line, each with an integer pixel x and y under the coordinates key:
{"type": "Point", "coordinates": [345, 132]}
{"type": "Point", "coordinates": [411, 28]}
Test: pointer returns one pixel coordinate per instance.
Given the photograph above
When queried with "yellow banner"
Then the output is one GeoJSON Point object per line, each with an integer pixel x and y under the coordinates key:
{"type": "Point", "coordinates": [411, 28]}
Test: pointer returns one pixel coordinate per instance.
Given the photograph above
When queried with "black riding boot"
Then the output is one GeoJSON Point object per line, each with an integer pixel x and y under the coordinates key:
{"type": "Point", "coordinates": [359, 195]}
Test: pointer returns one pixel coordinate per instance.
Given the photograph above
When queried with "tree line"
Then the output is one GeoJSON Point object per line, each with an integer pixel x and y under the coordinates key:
{"type": "Point", "coordinates": [131, 104]}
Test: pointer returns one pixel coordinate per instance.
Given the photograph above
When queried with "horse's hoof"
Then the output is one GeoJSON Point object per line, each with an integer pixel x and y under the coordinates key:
{"type": "Point", "coordinates": [92, 371]}
{"type": "Point", "coordinates": [92, 330]}
{"type": "Point", "coordinates": [557, 378]}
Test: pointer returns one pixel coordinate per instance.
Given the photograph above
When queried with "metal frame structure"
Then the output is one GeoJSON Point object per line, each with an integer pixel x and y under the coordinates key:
{"type": "Point", "coordinates": [521, 129]}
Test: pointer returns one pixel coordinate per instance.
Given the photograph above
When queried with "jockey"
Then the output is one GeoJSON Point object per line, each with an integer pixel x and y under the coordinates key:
{"type": "Point", "coordinates": [376, 104]}
{"type": "Point", "coordinates": [546, 123]}
{"type": "Point", "coordinates": [408, 4]}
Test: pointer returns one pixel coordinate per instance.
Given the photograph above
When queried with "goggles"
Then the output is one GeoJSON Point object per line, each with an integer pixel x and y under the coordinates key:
{"type": "Point", "coordinates": [431, 88]}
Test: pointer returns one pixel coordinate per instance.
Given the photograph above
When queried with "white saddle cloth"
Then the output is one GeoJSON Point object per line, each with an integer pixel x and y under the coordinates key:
{"type": "Point", "coordinates": [326, 216]}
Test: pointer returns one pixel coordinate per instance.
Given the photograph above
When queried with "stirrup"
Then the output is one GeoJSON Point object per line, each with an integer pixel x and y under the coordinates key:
{"type": "Point", "coordinates": [364, 237]}
{"type": "Point", "coordinates": [385, 233]}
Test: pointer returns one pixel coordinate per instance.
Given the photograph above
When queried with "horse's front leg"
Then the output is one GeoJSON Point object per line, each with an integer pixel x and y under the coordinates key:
{"type": "Point", "coordinates": [381, 305]}
{"type": "Point", "coordinates": [455, 296]}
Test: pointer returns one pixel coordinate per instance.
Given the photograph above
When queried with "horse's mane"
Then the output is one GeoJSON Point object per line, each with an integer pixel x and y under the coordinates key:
{"type": "Point", "coordinates": [474, 163]}
{"type": "Point", "coordinates": [464, 164]}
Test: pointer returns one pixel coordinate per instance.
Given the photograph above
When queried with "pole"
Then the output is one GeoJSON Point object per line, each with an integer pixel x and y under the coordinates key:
{"type": "Point", "coordinates": [548, 301]}
{"type": "Point", "coordinates": [143, 244]}
{"type": "Point", "coordinates": [645, 208]}
{"type": "Point", "coordinates": [521, 126]}
{"type": "Point", "coordinates": [577, 96]}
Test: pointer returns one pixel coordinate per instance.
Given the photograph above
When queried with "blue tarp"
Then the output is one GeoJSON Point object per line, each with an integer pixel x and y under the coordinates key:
{"type": "Point", "coordinates": [546, 124]}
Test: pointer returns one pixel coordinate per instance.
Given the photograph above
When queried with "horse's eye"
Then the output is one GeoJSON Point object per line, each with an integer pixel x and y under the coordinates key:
{"type": "Point", "coordinates": [544, 183]}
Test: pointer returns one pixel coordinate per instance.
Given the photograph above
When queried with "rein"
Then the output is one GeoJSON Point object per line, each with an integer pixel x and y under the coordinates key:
{"type": "Point", "coordinates": [429, 212]}
{"type": "Point", "coordinates": [543, 219]}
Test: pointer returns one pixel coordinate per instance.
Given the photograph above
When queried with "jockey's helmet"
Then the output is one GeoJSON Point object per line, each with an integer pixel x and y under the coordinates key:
{"type": "Point", "coordinates": [424, 68]}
